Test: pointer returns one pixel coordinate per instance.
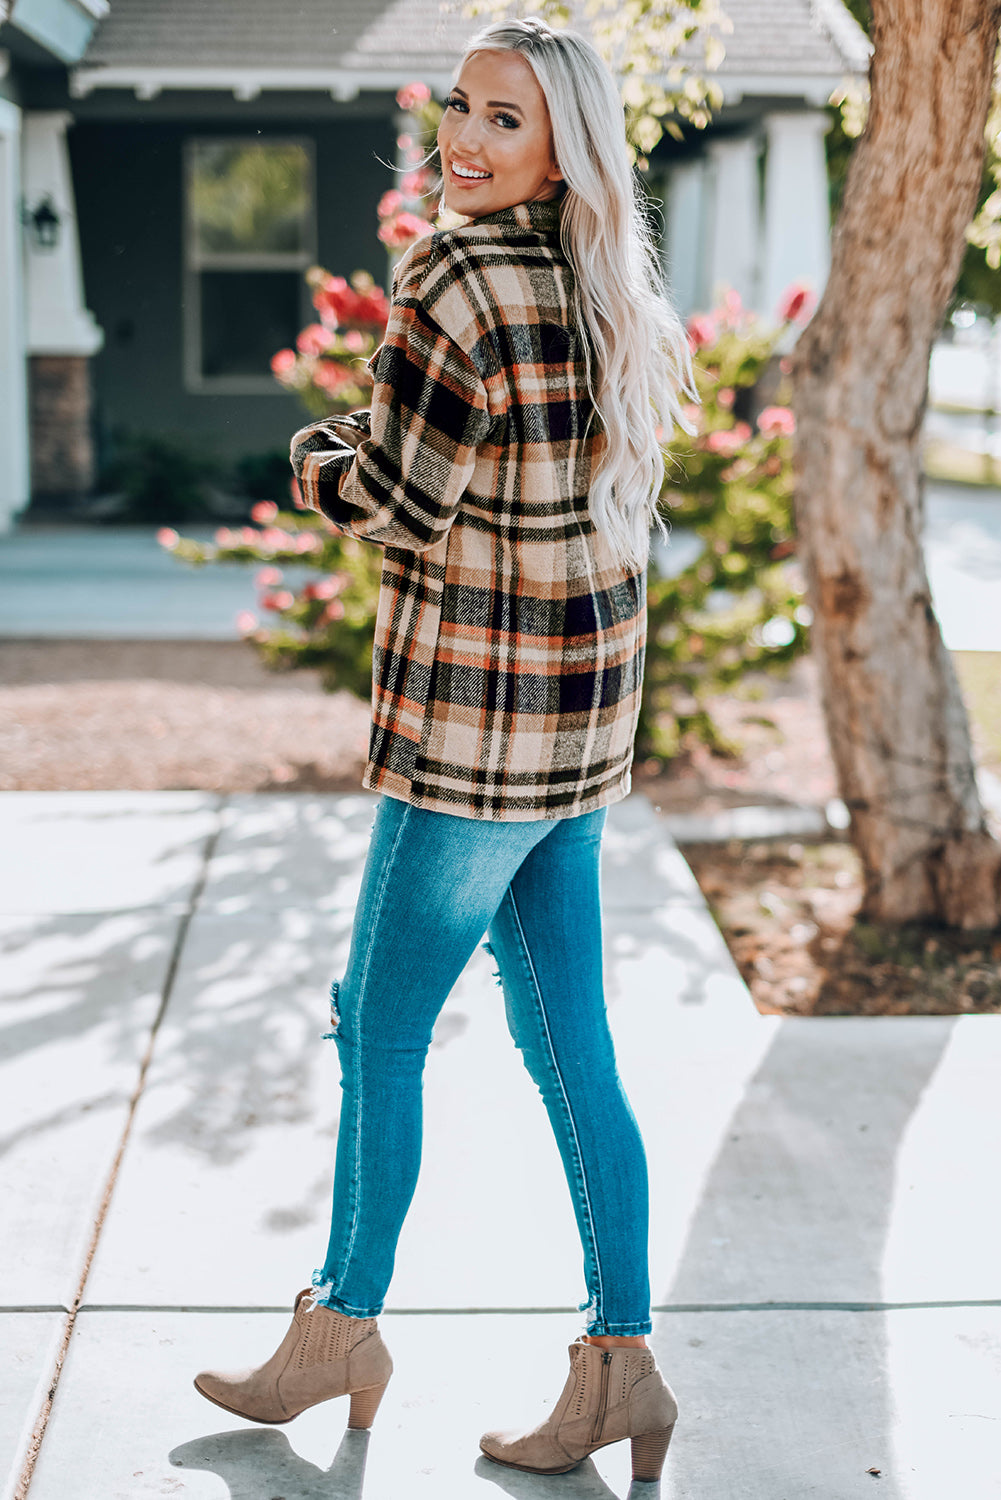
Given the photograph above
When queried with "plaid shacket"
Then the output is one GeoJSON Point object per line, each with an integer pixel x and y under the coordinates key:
{"type": "Point", "coordinates": [509, 641]}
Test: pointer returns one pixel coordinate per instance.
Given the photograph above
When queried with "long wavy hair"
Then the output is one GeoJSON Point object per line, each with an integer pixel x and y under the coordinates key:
{"type": "Point", "coordinates": [638, 361]}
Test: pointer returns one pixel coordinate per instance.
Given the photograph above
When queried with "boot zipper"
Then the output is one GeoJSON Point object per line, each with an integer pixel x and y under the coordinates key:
{"type": "Point", "coordinates": [599, 1420]}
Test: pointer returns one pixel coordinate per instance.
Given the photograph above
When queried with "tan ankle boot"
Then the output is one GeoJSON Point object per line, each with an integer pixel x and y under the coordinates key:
{"type": "Point", "coordinates": [324, 1354]}
{"type": "Point", "coordinates": [610, 1394]}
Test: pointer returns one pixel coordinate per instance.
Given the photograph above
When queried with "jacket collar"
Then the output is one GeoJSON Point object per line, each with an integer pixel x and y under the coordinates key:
{"type": "Point", "coordinates": [542, 217]}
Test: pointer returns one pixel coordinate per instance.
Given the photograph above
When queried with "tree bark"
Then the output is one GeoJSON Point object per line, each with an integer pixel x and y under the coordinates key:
{"type": "Point", "coordinates": [896, 720]}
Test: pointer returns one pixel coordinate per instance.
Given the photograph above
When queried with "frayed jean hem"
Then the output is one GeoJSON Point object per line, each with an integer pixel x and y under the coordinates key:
{"type": "Point", "coordinates": [323, 1296]}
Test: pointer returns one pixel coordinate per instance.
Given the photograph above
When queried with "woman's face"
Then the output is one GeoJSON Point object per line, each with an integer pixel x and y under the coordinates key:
{"type": "Point", "coordinates": [495, 139]}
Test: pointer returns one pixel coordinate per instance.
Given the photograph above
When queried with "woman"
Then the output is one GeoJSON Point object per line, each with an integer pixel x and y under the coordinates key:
{"type": "Point", "coordinates": [509, 467]}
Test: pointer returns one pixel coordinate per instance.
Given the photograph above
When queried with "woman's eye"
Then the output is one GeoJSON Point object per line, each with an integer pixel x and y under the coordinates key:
{"type": "Point", "coordinates": [508, 121]}
{"type": "Point", "coordinates": [453, 103]}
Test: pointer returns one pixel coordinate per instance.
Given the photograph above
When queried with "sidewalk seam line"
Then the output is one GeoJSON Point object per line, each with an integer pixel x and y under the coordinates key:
{"type": "Point", "coordinates": [173, 963]}
{"type": "Point", "coordinates": [467, 1312]}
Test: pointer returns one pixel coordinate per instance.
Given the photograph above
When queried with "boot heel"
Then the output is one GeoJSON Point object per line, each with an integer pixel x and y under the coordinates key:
{"type": "Point", "coordinates": [649, 1452]}
{"type": "Point", "coordinates": [364, 1405]}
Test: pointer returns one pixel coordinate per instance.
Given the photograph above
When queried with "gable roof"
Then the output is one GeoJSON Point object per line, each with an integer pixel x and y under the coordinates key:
{"type": "Point", "coordinates": [352, 45]}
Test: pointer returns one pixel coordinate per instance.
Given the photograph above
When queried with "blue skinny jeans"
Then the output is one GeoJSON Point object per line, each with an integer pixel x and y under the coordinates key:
{"type": "Point", "coordinates": [433, 884]}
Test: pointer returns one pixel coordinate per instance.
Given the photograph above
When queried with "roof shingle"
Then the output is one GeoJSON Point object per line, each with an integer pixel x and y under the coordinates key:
{"type": "Point", "coordinates": [811, 38]}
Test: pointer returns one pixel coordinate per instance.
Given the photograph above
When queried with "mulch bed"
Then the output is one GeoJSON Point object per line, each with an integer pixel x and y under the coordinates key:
{"type": "Point", "coordinates": [169, 715]}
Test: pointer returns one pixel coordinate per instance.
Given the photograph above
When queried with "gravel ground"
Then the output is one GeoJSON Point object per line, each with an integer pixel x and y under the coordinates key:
{"type": "Point", "coordinates": [163, 715]}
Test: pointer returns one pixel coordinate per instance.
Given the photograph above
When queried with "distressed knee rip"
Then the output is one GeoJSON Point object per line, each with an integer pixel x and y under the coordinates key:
{"type": "Point", "coordinates": [335, 1014]}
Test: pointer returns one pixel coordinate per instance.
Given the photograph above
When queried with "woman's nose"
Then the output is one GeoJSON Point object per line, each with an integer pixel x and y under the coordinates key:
{"type": "Point", "coordinates": [467, 136]}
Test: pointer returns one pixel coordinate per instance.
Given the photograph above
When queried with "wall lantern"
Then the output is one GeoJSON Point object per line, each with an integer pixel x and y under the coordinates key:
{"type": "Point", "coordinates": [43, 222]}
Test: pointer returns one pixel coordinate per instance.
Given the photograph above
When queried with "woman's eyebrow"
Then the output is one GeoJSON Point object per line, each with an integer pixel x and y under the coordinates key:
{"type": "Point", "coordinates": [493, 103]}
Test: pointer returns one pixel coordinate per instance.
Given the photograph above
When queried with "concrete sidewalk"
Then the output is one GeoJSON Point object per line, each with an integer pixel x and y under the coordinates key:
{"type": "Point", "coordinates": [826, 1236]}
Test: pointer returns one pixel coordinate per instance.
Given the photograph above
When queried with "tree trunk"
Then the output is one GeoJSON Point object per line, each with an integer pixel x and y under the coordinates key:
{"type": "Point", "coordinates": [896, 720]}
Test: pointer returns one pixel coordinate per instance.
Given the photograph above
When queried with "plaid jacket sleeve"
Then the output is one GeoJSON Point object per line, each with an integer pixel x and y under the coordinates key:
{"type": "Point", "coordinates": [402, 483]}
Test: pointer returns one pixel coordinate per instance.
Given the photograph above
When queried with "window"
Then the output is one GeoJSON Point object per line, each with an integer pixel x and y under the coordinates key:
{"type": "Point", "coordinates": [249, 236]}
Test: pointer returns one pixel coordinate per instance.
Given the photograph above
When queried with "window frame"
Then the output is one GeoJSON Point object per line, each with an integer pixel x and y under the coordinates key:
{"type": "Point", "coordinates": [195, 261]}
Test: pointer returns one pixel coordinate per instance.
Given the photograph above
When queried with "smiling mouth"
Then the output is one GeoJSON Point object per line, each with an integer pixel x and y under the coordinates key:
{"type": "Point", "coordinates": [469, 174]}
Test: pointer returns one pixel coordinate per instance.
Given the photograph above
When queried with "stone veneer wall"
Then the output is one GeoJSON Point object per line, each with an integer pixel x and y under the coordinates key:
{"type": "Point", "coordinates": [62, 443]}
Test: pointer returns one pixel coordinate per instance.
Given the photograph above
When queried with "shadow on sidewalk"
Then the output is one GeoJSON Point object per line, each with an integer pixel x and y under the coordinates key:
{"type": "Point", "coordinates": [792, 1384]}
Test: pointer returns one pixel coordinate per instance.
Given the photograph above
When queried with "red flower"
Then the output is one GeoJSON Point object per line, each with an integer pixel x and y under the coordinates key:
{"type": "Point", "coordinates": [796, 304]}
{"type": "Point", "coordinates": [701, 331]}
{"type": "Point", "coordinates": [282, 362]}
{"type": "Point", "coordinates": [412, 95]}
{"type": "Point", "coordinates": [313, 339]}
{"type": "Point", "coordinates": [331, 377]}
{"type": "Point", "coordinates": [403, 229]}
{"type": "Point", "coordinates": [339, 304]}
{"type": "Point", "coordinates": [776, 421]}
{"type": "Point", "coordinates": [263, 512]}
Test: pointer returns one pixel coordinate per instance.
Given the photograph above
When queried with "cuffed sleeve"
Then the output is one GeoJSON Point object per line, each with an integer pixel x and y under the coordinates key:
{"type": "Point", "coordinates": [403, 484]}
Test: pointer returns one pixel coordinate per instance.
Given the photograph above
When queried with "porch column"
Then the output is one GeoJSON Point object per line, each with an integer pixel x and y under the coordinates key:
{"type": "Point", "coordinates": [685, 237]}
{"type": "Point", "coordinates": [733, 248]}
{"type": "Point", "coordinates": [797, 210]}
{"type": "Point", "coordinates": [61, 333]}
{"type": "Point", "coordinates": [13, 373]}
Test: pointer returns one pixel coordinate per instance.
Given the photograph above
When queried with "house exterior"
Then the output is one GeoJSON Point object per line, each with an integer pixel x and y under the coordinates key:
{"type": "Point", "coordinates": [199, 155]}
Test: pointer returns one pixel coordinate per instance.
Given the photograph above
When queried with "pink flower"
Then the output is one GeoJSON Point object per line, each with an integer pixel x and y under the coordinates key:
{"type": "Point", "coordinates": [701, 330]}
{"type": "Point", "coordinates": [313, 339]}
{"type": "Point", "coordinates": [167, 537]}
{"type": "Point", "coordinates": [389, 204]}
{"type": "Point", "coordinates": [414, 184]}
{"type": "Point", "coordinates": [333, 611]}
{"type": "Point", "coordinates": [725, 397]}
{"type": "Point", "coordinates": [728, 440]}
{"type": "Point", "coordinates": [413, 95]}
{"type": "Point", "coordinates": [323, 588]}
{"type": "Point", "coordinates": [266, 578]}
{"type": "Point", "coordinates": [403, 229]}
{"type": "Point", "coordinates": [691, 412]}
{"type": "Point", "coordinates": [776, 421]}
{"type": "Point", "coordinates": [283, 362]}
{"type": "Point", "coordinates": [307, 541]}
{"type": "Point", "coordinates": [275, 538]}
{"type": "Point", "coordinates": [282, 600]}
{"type": "Point", "coordinates": [732, 306]}
{"type": "Point", "coordinates": [797, 303]}
{"type": "Point", "coordinates": [404, 142]}
{"type": "Point", "coordinates": [248, 536]}
{"type": "Point", "coordinates": [246, 621]}
{"type": "Point", "coordinates": [354, 340]}
{"type": "Point", "coordinates": [263, 512]}
{"type": "Point", "coordinates": [225, 538]}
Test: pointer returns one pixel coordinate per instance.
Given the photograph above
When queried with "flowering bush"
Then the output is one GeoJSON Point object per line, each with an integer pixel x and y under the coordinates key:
{"type": "Point", "coordinates": [734, 607]}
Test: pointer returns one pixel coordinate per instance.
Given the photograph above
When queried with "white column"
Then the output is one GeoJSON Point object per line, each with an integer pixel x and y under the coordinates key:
{"type": "Point", "coordinates": [685, 261]}
{"type": "Point", "coordinates": [58, 321]}
{"type": "Point", "coordinates": [733, 248]}
{"type": "Point", "coordinates": [797, 211]}
{"type": "Point", "coordinates": [14, 483]}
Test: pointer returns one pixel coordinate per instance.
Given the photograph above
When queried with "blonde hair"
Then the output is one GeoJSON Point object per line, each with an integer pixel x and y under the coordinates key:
{"type": "Point", "coordinates": [638, 359]}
